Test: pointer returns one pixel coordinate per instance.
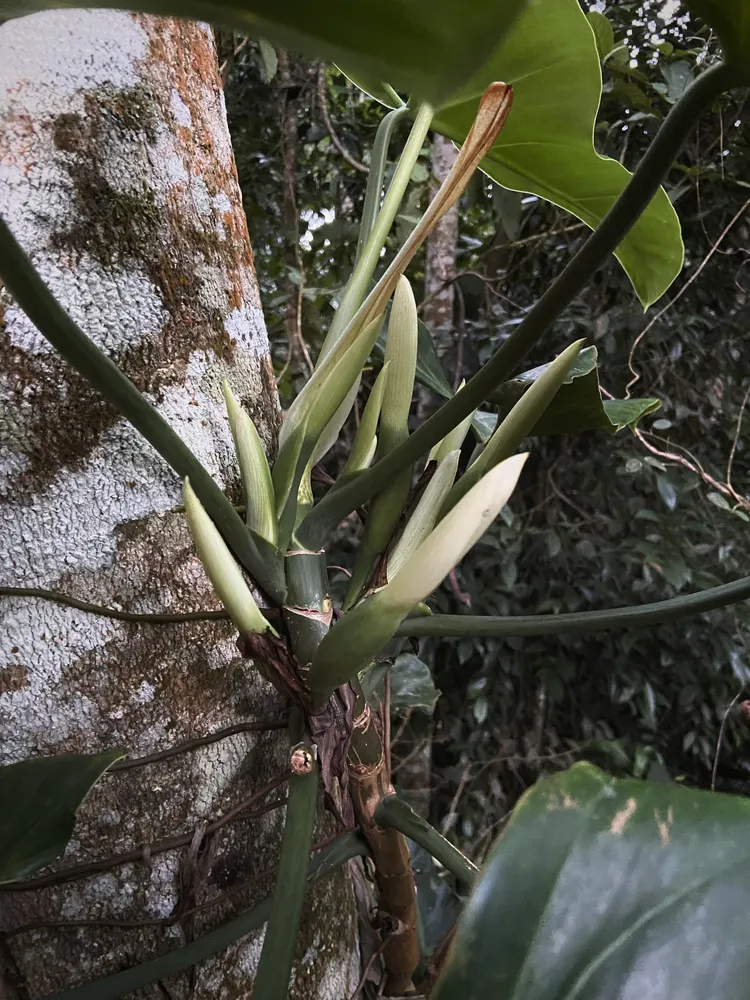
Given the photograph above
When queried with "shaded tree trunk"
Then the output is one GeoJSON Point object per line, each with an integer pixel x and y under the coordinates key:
{"type": "Point", "coordinates": [117, 176]}
{"type": "Point", "coordinates": [290, 215]}
{"type": "Point", "coordinates": [440, 268]}
{"type": "Point", "coordinates": [415, 750]}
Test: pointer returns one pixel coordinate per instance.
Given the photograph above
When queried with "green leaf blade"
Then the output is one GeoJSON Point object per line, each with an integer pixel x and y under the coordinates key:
{"type": "Point", "coordinates": [39, 798]}
{"type": "Point", "coordinates": [428, 48]}
{"type": "Point", "coordinates": [603, 32]}
{"type": "Point", "coordinates": [577, 405]}
{"type": "Point", "coordinates": [602, 888]}
{"type": "Point", "coordinates": [546, 147]}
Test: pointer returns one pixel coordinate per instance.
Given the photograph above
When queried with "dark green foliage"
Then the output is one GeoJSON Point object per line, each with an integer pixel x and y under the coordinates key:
{"type": "Point", "coordinates": [606, 522]}
{"type": "Point", "coordinates": [594, 876]}
{"type": "Point", "coordinates": [593, 528]}
{"type": "Point", "coordinates": [602, 888]}
{"type": "Point", "coordinates": [38, 802]}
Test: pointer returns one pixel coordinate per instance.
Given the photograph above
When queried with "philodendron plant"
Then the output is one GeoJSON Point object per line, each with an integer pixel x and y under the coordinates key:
{"type": "Point", "coordinates": [595, 880]}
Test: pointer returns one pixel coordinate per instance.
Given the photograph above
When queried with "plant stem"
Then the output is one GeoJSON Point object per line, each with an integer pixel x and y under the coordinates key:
{"type": "Point", "coordinates": [641, 188]}
{"type": "Point", "coordinates": [342, 850]}
{"type": "Point", "coordinates": [261, 726]}
{"type": "Point", "coordinates": [258, 557]}
{"type": "Point", "coordinates": [394, 812]}
{"type": "Point", "coordinates": [123, 616]}
{"type": "Point", "coordinates": [580, 621]}
{"type": "Point", "coordinates": [308, 611]}
{"type": "Point", "coordinates": [275, 966]}
{"type": "Point", "coordinates": [369, 253]}
{"type": "Point", "coordinates": [369, 783]}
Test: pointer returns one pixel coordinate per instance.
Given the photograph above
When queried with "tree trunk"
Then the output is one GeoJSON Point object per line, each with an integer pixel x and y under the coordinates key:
{"type": "Point", "coordinates": [440, 269]}
{"type": "Point", "coordinates": [290, 215]}
{"type": "Point", "coordinates": [415, 775]}
{"type": "Point", "coordinates": [117, 176]}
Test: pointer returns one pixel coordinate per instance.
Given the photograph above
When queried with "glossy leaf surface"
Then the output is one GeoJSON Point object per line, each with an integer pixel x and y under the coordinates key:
{"type": "Point", "coordinates": [578, 404]}
{"type": "Point", "coordinates": [603, 888]}
{"type": "Point", "coordinates": [551, 59]}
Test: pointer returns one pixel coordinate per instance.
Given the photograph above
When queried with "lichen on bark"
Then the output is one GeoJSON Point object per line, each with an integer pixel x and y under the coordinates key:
{"type": "Point", "coordinates": [117, 176]}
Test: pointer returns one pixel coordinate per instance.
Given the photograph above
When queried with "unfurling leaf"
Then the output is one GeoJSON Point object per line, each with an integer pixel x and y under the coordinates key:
{"type": "Point", "coordinates": [378, 214]}
{"type": "Point", "coordinates": [222, 570]}
{"type": "Point", "coordinates": [387, 507]}
{"type": "Point", "coordinates": [260, 506]}
{"type": "Point", "coordinates": [362, 633]}
{"type": "Point", "coordinates": [455, 439]}
{"type": "Point", "coordinates": [334, 381]}
{"type": "Point", "coordinates": [426, 513]}
{"type": "Point", "coordinates": [401, 350]}
{"type": "Point", "coordinates": [518, 423]}
{"type": "Point", "coordinates": [365, 440]}
{"type": "Point", "coordinates": [491, 115]}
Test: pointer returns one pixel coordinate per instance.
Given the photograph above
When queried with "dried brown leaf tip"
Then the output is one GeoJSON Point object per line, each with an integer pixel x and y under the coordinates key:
{"type": "Point", "coordinates": [494, 108]}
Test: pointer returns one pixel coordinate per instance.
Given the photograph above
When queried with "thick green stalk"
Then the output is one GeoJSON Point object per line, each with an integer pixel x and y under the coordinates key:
{"type": "Point", "coordinates": [573, 622]}
{"type": "Point", "coordinates": [394, 812]}
{"type": "Point", "coordinates": [275, 966]}
{"type": "Point", "coordinates": [343, 849]}
{"type": "Point", "coordinates": [454, 439]}
{"type": "Point", "coordinates": [644, 616]}
{"type": "Point", "coordinates": [258, 557]}
{"type": "Point", "coordinates": [308, 611]}
{"type": "Point", "coordinates": [641, 188]}
{"type": "Point", "coordinates": [369, 254]}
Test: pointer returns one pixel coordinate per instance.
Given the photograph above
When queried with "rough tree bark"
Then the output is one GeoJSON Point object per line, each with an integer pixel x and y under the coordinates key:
{"type": "Point", "coordinates": [290, 215]}
{"type": "Point", "coordinates": [415, 749]}
{"type": "Point", "coordinates": [117, 175]}
{"type": "Point", "coordinates": [440, 268]}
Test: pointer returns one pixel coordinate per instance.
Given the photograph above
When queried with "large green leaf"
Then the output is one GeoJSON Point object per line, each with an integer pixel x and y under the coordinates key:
{"type": "Point", "coordinates": [38, 803]}
{"type": "Point", "coordinates": [546, 146]}
{"type": "Point", "coordinates": [426, 47]}
{"type": "Point", "coordinates": [412, 686]}
{"type": "Point", "coordinates": [602, 889]}
{"type": "Point", "coordinates": [578, 404]}
{"type": "Point", "coordinates": [730, 19]}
